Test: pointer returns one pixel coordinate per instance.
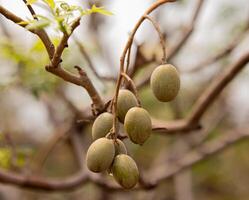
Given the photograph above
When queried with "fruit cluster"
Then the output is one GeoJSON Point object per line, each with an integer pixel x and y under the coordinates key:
{"type": "Point", "coordinates": [110, 154]}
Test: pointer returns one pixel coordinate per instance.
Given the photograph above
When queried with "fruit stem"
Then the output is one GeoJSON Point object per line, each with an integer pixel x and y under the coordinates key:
{"type": "Point", "coordinates": [127, 48]}
{"type": "Point", "coordinates": [161, 36]}
{"type": "Point", "coordinates": [133, 86]}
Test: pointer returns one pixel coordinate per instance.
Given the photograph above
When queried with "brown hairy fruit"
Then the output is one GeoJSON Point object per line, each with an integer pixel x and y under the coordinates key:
{"type": "Point", "coordinates": [138, 125]}
{"type": "Point", "coordinates": [100, 155]}
{"type": "Point", "coordinates": [125, 171]}
{"type": "Point", "coordinates": [120, 147]}
{"type": "Point", "coordinates": [102, 125]}
{"type": "Point", "coordinates": [165, 82]}
{"type": "Point", "coordinates": [126, 100]}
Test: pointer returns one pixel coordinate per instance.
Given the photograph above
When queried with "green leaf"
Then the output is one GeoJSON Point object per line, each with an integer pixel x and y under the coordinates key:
{"type": "Point", "coordinates": [100, 10]}
{"type": "Point", "coordinates": [37, 24]}
{"type": "Point", "coordinates": [50, 3]}
{"type": "Point", "coordinates": [96, 9]}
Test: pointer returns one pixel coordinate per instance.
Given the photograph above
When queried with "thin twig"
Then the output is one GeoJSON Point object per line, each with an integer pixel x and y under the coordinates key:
{"type": "Point", "coordinates": [196, 155]}
{"type": "Point", "coordinates": [223, 53]}
{"type": "Point", "coordinates": [128, 60]}
{"type": "Point", "coordinates": [44, 152]}
{"type": "Point", "coordinates": [133, 87]}
{"type": "Point", "coordinates": [162, 41]}
{"type": "Point", "coordinates": [90, 62]}
{"type": "Point", "coordinates": [31, 10]}
{"type": "Point", "coordinates": [182, 41]}
{"type": "Point", "coordinates": [88, 85]}
{"type": "Point", "coordinates": [187, 31]}
{"type": "Point", "coordinates": [140, 61]}
{"type": "Point", "coordinates": [216, 87]}
{"type": "Point", "coordinates": [63, 44]}
{"type": "Point", "coordinates": [77, 149]}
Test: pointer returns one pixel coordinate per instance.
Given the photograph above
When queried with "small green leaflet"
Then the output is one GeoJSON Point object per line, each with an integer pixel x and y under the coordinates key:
{"type": "Point", "coordinates": [63, 15]}
{"type": "Point", "coordinates": [96, 9]}
{"type": "Point", "coordinates": [37, 24]}
{"type": "Point", "coordinates": [50, 3]}
{"type": "Point", "coordinates": [100, 10]}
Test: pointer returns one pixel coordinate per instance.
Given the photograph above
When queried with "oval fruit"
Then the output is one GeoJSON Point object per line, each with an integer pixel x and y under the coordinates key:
{"type": "Point", "coordinates": [120, 147]}
{"type": "Point", "coordinates": [100, 155]}
{"type": "Point", "coordinates": [125, 171]}
{"type": "Point", "coordinates": [165, 82]}
{"type": "Point", "coordinates": [138, 125]}
{"type": "Point", "coordinates": [102, 125]}
{"type": "Point", "coordinates": [126, 100]}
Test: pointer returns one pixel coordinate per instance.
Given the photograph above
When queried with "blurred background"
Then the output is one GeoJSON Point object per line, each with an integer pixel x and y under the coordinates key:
{"type": "Point", "coordinates": [37, 109]}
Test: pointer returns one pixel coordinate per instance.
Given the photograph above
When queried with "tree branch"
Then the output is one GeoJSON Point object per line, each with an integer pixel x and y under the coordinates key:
{"type": "Point", "coordinates": [224, 52]}
{"type": "Point", "coordinates": [31, 10]}
{"type": "Point", "coordinates": [55, 56]}
{"type": "Point", "coordinates": [187, 32]}
{"type": "Point", "coordinates": [197, 155]}
{"type": "Point", "coordinates": [40, 33]}
{"type": "Point", "coordinates": [161, 37]}
{"type": "Point", "coordinates": [34, 182]}
{"type": "Point", "coordinates": [90, 63]}
{"type": "Point", "coordinates": [215, 88]}
{"type": "Point", "coordinates": [55, 61]}
{"type": "Point", "coordinates": [151, 181]}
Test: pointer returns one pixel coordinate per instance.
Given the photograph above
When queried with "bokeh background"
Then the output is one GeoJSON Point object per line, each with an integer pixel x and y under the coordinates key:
{"type": "Point", "coordinates": [36, 107]}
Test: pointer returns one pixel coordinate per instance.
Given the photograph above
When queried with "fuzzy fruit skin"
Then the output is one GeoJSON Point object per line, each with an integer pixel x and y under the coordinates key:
{"type": "Point", "coordinates": [138, 125]}
{"type": "Point", "coordinates": [120, 147]}
{"type": "Point", "coordinates": [126, 100]}
{"type": "Point", "coordinates": [165, 82]}
{"type": "Point", "coordinates": [125, 171]}
{"type": "Point", "coordinates": [100, 155]}
{"type": "Point", "coordinates": [102, 125]}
